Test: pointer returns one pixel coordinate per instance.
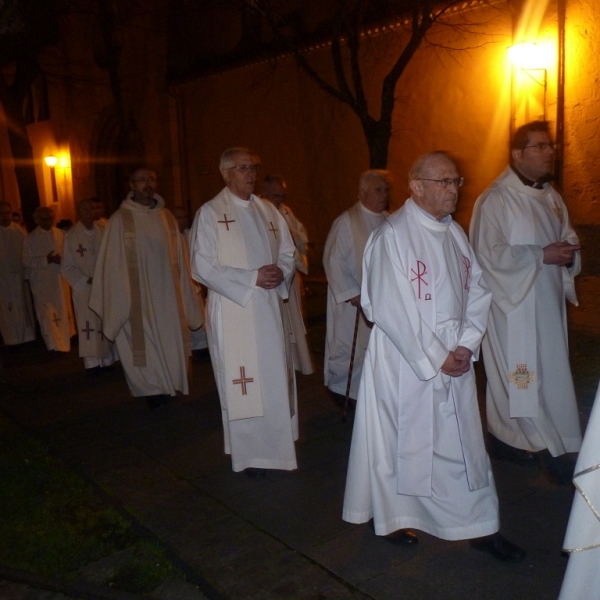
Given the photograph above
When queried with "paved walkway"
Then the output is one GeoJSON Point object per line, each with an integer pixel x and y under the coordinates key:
{"type": "Point", "coordinates": [280, 537]}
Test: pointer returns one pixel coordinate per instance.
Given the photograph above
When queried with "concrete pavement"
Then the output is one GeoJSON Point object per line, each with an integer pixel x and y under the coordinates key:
{"type": "Point", "coordinates": [281, 536]}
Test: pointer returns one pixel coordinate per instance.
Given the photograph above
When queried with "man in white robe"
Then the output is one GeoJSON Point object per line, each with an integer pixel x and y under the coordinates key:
{"type": "Point", "coordinates": [16, 315]}
{"type": "Point", "coordinates": [142, 291]}
{"type": "Point", "coordinates": [198, 337]}
{"type": "Point", "coordinates": [275, 190]}
{"type": "Point", "coordinates": [82, 243]}
{"type": "Point", "coordinates": [243, 252]}
{"type": "Point", "coordinates": [417, 458]}
{"type": "Point", "coordinates": [582, 539]}
{"type": "Point", "coordinates": [528, 251]}
{"type": "Point", "coordinates": [42, 255]}
{"type": "Point", "coordinates": [342, 259]}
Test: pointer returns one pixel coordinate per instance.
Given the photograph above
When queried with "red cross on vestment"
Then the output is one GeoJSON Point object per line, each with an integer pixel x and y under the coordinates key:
{"type": "Point", "coordinates": [226, 222]}
{"type": "Point", "coordinates": [243, 380]}
{"type": "Point", "coordinates": [81, 250]}
{"type": "Point", "coordinates": [273, 229]}
{"type": "Point", "coordinates": [87, 330]}
{"type": "Point", "coordinates": [55, 320]}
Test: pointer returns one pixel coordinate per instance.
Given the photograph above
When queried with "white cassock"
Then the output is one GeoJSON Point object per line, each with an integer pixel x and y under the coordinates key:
{"type": "Point", "coordinates": [582, 540]}
{"type": "Point", "coordinates": [293, 305]}
{"type": "Point", "coordinates": [79, 259]}
{"type": "Point", "coordinates": [16, 315]}
{"type": "Point", "coordinates": [143, 294]}
{"type": "Point", "coordinates": [342, 259]}
{"type": "Point", "coordinates": [198, 336]}
{"type": "Point", "coordinates": [418, 458]}
{"type": "Point", "coordinates": [231, 239]}
{"type": "Point", "coordinates": [531, 401]}
{"type": "Point", "coordinates": [51, 295]}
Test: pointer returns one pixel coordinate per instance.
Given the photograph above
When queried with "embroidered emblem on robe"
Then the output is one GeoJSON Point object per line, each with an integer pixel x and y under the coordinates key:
{"type": "Point", "coordinates": [558, 211]}
{"type": "Point", "coordinates": [521, 377]}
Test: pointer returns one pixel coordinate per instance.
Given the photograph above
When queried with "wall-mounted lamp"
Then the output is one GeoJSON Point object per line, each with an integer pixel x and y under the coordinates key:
{"type": "Point", "coordinates": [51, 161]}
{"type": "Point", "coordinates": [531, 60]}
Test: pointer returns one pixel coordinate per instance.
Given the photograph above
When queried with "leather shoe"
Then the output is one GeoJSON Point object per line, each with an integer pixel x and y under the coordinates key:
{"type": "Point", "coordinates": [499, 547]}
{"type": "Point", "coordinates": [402, 537]}
{"type": "Point", "coordinates": [502, 451]}
{"type": "Point", "coordinates": [254, 472]}
{"type": "Point", "coordinates": [558, 469]}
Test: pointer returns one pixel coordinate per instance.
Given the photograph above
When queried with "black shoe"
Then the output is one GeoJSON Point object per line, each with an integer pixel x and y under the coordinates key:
{"type": "Point", "coordinates": [558, 469]}
{"type": "Point", "coordinates": [402, 537]}
{"type": "Point", "coordinates": [499, 547]}
{"type": "Point", "coordinates": [93, 372]}
{"type": "Point", "coordinates": [157, 400]}
{"type": "Point", "coordinates": [254, 472]}
{"type": "Point", "coordinates": [340, 401]}
{"type": "Point", "coordinates": [502, 451]}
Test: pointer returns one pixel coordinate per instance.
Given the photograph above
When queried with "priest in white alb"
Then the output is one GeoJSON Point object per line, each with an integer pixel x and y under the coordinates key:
{"type": "Point", "coordinates": [142, 291]}
{"type": "Point", "coordinates": [243, 252]}
{"type": "Point", "coordinates": [417, 459]}
{"type": "Point", "coordinates": [274, 190]}
{"type": "Point", "coordinates": [42, 255]}
{"type": "Point", "coordinates": [529, 254]}
{"type": "Point", "coordinates": [342, 259]}
{"type": "Point", "coordinates": [16, 315]}
{"type": "Point", "coordinates": [82, 244]}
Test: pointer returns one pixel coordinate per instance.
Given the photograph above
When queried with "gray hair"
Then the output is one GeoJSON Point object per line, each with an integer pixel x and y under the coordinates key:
{"type": "Point", "coordinates": [421, 165]}
{"type": "Point", "coordinates": [229, 154]}
{"type": "Point", "coordinates": [367, 178]}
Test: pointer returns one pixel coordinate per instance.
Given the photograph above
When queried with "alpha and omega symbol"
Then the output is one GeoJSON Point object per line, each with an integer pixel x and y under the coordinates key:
{"type": "Point", "coordinates": [521, 377]}
{"type": "Point", "coordinates": [419, 278]}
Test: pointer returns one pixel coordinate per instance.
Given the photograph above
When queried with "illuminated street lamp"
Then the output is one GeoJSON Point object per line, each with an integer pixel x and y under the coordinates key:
{"type": "Point", "coordinates": [51, 161]}
{"type": "Point", "coordinates": [531, 60]}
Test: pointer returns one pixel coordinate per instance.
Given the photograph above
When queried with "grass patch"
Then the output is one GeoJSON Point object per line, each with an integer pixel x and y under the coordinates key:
{"type": "Point", "coordinates": [53, 523]}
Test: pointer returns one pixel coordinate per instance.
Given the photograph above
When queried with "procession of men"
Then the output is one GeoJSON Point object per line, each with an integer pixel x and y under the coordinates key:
{"type": "Point", "coordinates": [410, 301]}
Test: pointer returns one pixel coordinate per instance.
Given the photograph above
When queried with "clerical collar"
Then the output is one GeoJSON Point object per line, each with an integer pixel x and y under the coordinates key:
{"type": "Point", "coordinates": [444, 220]}
{"type": "Point", "coordinates": [538, 185]}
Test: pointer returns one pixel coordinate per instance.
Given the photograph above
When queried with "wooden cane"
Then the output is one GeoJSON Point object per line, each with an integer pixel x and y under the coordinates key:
{"type": "Point", "coordinates": [346, 400]}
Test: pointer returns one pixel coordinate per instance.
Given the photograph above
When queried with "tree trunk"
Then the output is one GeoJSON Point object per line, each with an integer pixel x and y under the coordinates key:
{"type": "Point", "coordinates": [378, 135]}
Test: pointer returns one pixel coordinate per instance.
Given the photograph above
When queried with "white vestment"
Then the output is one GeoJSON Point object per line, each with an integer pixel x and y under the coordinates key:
{"type": "Point", "coordinates": [293, 305]}
{"type": "Point", "coordinates": [582, 540]}
{"type": "Point", "coordinates": [198, 336]}
{"type": "Point", "coordinates": [77, 267]}
{"type": "Point", "coordinates": [342, 259]}
{"type": "Point", "coordinates": [246, 336]}
{"type": "Point", "coordinates": [50, 291]}
{"type": "Point", "coordinates": [143, 294]}
{"type": "Point", "coordinates": [530, 396]}
{"type": "Point", "coordinates": [418, 458]}
{"type": "Point", "coordinates": [16, 315]}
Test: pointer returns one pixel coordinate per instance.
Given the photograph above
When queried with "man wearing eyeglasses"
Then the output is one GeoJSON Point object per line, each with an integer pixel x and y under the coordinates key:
{"type": "Point", "coordinates": [342, 260]}
{"type": "Point", "coordinates": [243, 252]}
{"type": "Point", "coordinates": [529, 254]}
{"type": "Point", "coordinates": [418, 459]}
{"type": "Point", "coordinates": [142, 291]}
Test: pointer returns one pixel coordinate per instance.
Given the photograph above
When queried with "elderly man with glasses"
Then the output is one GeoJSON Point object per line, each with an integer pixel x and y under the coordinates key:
{"type": "Point", "coordinates": [142, 291]}
{"type": "Point", "coordinates": [418, 459]}
{"type": "Point", "coordinates": [242, 250]}
{"type": "Point", "coordinates": [529, 254]}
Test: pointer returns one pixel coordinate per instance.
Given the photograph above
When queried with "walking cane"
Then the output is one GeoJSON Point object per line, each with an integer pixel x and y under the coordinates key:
{"type": "Point", "coordinates": [356, 323]}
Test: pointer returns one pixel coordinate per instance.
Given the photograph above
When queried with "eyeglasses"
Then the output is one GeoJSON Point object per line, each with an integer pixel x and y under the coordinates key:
{"type": "Point", "coordinates": [146, 179]}
{"type": "Point", "coordinates": [542, 146]}
{"type": "Point", "coordinates": [457, 181]}
{"type": "Point", "coordinates": [245, 168]}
